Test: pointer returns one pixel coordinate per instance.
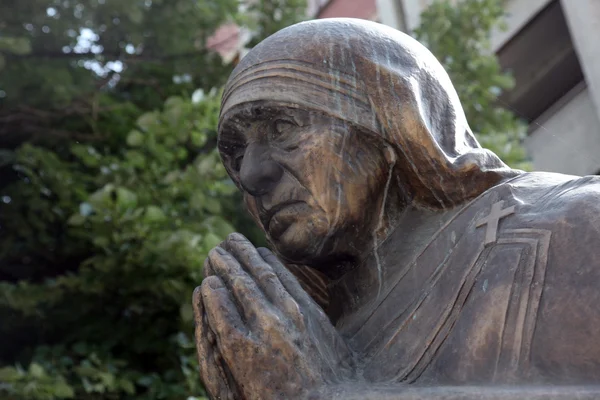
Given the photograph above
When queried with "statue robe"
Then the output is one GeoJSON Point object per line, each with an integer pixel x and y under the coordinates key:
{"type": "Point", "coordinates": [471, 310]}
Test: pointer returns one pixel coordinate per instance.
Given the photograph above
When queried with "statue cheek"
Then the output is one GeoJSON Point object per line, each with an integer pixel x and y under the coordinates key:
{"type": "Point", "coordinates": [252, 209]}
{"type": "Point", "coordinates": [359, 170]}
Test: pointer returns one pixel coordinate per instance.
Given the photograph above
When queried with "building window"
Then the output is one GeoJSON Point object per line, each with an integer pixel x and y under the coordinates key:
{"type": "Point", "coordinates": [542, 58]}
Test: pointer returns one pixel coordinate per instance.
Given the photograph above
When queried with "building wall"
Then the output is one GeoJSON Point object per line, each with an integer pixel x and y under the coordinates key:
{"type": "Point", "coordinates": [583, 18]}
{"type": "Point", "coordinates": [391, 13]}
{"type": "Point", "coordinates": [567, 138]}
{"type": "Point", "coordinates": [364, 9]}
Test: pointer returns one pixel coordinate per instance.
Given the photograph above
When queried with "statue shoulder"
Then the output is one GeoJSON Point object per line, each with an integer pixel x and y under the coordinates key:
{"type": "Point", "coordinates": [558, 194]}
{"type": "Point", "coordinates": [580, 197]}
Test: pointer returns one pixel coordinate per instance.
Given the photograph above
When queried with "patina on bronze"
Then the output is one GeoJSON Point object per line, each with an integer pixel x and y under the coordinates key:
{"type": "Point", "coordinates": [409, 262]}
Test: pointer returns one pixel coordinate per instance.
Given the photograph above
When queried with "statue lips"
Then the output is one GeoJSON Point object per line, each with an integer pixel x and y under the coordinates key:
{"type": "Point", "coordinates": [275, 227]}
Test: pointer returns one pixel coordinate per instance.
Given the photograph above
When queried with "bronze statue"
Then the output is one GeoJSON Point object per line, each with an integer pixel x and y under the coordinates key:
{"type": "Point", "coordinates": [410, 263]}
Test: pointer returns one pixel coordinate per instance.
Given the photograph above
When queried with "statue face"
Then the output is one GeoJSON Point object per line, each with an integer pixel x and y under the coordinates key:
{"type": "Point", "coordinates": [314, 183]}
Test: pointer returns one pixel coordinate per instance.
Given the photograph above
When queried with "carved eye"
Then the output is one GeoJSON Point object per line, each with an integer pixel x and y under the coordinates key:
{"type": "Point", "coordinates": [234, 153]}
{"type": "Point", "coordinates": [282, 125]}
{"type": "Point", "coordinates": [236, 162]}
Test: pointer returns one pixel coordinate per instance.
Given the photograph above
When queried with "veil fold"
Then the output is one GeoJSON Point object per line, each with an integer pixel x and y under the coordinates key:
{"type": "Point", "coordinates": [384, 81]}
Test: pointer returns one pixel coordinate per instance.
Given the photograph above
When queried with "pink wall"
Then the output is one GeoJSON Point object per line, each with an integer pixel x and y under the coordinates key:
{"type": "Point", "coordinates": [365, 9]}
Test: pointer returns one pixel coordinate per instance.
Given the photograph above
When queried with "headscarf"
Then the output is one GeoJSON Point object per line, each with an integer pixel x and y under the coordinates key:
{"type": "Point", "coordinates": [383, 81]}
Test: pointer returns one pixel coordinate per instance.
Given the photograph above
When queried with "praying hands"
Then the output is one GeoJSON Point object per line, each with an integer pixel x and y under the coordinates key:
{"type": "Point", "coordinates": [251, 311]}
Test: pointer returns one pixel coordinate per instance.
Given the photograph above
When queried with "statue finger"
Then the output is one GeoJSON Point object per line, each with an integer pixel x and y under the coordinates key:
{"type": "Point", "coordinates": [247, 255]}
{"type": "Point", "coordinates": [200, 319]}
{"type": "Point", "coordinates": [291, 284]}
{"type": "Point", "coordinates": [212, 371]}
{"type": "Point", "coordinates": [287, 279]}
{"type": "Point", "coordinates": [253, 303]}
{"type": "Point", "coordinates": [223, 315]}
{"type": "Point", "coordinates": [328, 331]}
{"type": "Point", "coordinates": [207, 269]}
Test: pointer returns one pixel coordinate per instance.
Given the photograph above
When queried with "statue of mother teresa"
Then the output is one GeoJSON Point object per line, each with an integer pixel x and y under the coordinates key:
{"type": "Point", "coordinates": [406, 261]}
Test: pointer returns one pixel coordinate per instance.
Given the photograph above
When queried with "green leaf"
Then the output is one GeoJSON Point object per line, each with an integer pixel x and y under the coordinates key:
{"type": "Point", "coordinates": [211, 240]}
{"type": "Point", "coordinates": [63, 391]}
{"type": "Point", "coordinates": [76, 220]}
{"type": "Point", "coordinates": [136, 159]}
{"type": "Point", "coordinates": [9, 374]}
{"type": "Point", "coordinates": [198, 138]}
{"type": "Point", "coordinates": [101, 241]}
{"type": "Point", "coordinates": [173, 101]}
{"type": "Point", "coordinates": [154, 214]}
{"type": "Point", "coordinates": [135, 138]}
{"type": "Point", "coordinates": [212, 205]}
{"type": "Point", "coordinates": [7, 157]}
{"type": "Point", "coordinates": [127, 386]}
{"type": "Point", "coordinates": [16, 45]}
{"type": "Point", "coordinates": [102, 198]}
{"type": "Point", "coordinates": [148, 121]}
{"type": "Point", "coordinates": [206, 165]}
{"type": "Point", "coordinates": [87, 154]}
{"type": "Point", "coordinates": [145, 381]}
{"type": "Point", "coordinates": [107, 379]}
{"type": "Point", "coordinates": [219, 226]}
{"type": "Point", "coordinates": [186, 312]}
{"type": "Point", "coordinates": [36, 370]}
{"type": "Point", "coordinates": [136, 15]}
{"type": "Point", "coordinates": [126, 199]}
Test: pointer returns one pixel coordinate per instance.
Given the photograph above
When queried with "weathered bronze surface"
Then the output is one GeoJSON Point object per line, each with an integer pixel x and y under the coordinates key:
{"type": "Point", "coordinates": [409, 262]}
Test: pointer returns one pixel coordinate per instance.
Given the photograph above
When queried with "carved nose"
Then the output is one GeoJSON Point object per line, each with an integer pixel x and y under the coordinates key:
{"type": "Point", "coordinates": [258, 173]}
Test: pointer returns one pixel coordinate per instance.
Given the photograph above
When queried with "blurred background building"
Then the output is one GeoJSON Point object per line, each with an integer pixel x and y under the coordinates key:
{"type": "Point", "coordinates": [364, 9]}
{"type": "Point", "coordinates": [552, 48]}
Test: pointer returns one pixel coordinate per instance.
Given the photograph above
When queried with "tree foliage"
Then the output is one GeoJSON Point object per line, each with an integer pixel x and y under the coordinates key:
{"type": "Point", "coordinates": [106, 256]}
{"type": "Point", "coordinates": [458, 33]}
{"type": "Point", "coordinates": [67, 65]}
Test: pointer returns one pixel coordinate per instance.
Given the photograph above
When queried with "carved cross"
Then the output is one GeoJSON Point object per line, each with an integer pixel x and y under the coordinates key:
{"type": "Point", "coordinates": [492, 221]}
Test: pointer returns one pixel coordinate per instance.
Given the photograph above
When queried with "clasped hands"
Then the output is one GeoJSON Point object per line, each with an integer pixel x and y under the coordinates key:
{"type": "Point", "coordinates": [259, 335]}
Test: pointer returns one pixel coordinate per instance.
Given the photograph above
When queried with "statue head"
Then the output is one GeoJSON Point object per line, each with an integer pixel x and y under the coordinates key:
{"type": "Point", "coordinates": [332, 128]}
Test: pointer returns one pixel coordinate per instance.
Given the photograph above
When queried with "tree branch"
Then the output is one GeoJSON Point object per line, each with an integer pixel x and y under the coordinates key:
{"type": "Point", "coordinates": [105, 54]}
{"type": "Point", "coordinates": [120, 55]}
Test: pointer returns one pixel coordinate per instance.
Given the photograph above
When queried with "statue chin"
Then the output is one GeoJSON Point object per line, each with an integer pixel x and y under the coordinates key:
{"type": "Point", "coordinates": [310, 250]}
{"type": "Point", "coordinates": [296, 244]}
{"type": "Point", "coordinates": [301, 239]}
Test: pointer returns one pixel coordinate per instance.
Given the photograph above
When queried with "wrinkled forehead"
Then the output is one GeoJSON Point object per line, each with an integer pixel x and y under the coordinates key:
{"type": "Point", "coordinates": [309, 65]}
{"type": "Point", "coordinates": [244, 114]}
{"type": "Point", "coordinates": [276, 88]}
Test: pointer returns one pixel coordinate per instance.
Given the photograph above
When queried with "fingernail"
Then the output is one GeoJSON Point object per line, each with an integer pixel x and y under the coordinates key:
{"type": "Point", "coordinates": [264, 250]}
{"type": "Point", "coordinates": [196, 294]}
{"type": "Point", "coordinates": [214, 283]}
{"type": "Point", "coordinates": [236, 236]}
{"type": "Point", "coordinates": [220, 251]}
